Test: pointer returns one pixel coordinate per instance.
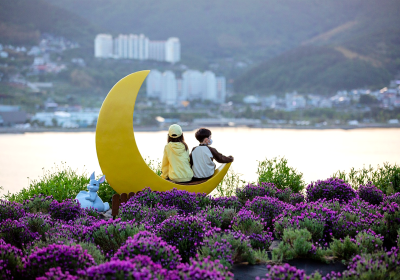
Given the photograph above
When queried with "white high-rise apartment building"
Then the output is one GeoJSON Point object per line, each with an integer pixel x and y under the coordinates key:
{"type": "Point", "coordinates": [143, 47]}
{"type": "Point", "coordinates": [221, 89]}
{"type": "Point", "coordinates": [153, 84]}
{"type": "Point", "coordinates": [157, 50]}
{"type": "Point", "coordinates": [168, 88]}
{"type": "Point", "coordinates": [137, 47]}
{"type": "Point", "coordinates": [133, 46]}
{"type": "Point", "coordinates": [209, 86]}
{"type": "Point", "coordinates": [192, 85]}
{"type": "Point", "coordinates": [121, 46]}
{"type": "Point", "coordinates": [173, 50]}
{"type": "Point", "coordinates": [103, 46]}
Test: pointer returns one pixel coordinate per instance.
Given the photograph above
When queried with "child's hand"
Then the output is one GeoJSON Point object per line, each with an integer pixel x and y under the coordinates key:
{"type": "Point", "coordinates": [231, 157]}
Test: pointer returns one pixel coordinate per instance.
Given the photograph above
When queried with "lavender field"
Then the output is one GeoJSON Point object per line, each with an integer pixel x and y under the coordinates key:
{"type": "Point", "coordinates": [183, 235]}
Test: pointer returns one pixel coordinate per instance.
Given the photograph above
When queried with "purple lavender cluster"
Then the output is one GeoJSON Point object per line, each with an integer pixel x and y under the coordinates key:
{"type": "Point", "coordinates": [283, 272]}
{"type": "Point", "coordinates": [267, 208]}
{"type": "Point", "coordinates": [370, 194]}
{"type": "Point", "coordinates": [181, 235]}
{"type": "Point", "coordinates": [38, 203]}
{"type": "Point", "coordinates": [10, 260]}
{"type": "Point", "coordinates": [146, 243]}
{"type": "Point", "coordinates": [332, 188]}
{"type": "Point", "coordinates": [17, 233]}
{"type": "Point", "coordinates": [261, 240]}
{"type": "Point", "coordinates": [393, 198]}
{"type": "Point", "coordinates": [10, 210]}
{"type": "Point", "coordinates": [185, 233]}
{"type": "Point", "coordinates": [186, 202]}
{"type": "Point", "coordinates": [247, 222]}
{"type": "Point", "coordinates": [296, 198]}
{"type": "Point", "coordinates": [382, 265]}
{"type": "Point", "coordinates": [68, 258]}
{"type": "Point", "coordinates": [66, 210]}
{"type": "Point", "coordinates": [251, 191]}
{"type": "Point", "coordinates": [227, 202]}
{"type": "Point", "coordinates": [203, 270]}
{"type": "Point", "coordinates": [137, 267]}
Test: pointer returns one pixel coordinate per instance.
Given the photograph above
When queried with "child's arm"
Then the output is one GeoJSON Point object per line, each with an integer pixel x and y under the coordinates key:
{"type": "Point", "coordinates": [164, 165]}
{"type": "Point", "coordinates": [220, 157]}
{"type": "Point", "coordinates": [191, 157]}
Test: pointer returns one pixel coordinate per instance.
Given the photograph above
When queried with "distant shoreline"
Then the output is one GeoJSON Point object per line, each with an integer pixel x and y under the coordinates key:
{"type": "Point", "coordinates": [10, 130]}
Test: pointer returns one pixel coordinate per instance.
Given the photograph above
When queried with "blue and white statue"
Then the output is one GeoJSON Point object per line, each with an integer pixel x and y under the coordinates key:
{"type": "Point", "coordinates": [90, 198]}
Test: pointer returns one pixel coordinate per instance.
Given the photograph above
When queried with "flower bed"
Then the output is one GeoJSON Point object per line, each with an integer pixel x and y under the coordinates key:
{"type": "Point", "coordinates": [182, 235]}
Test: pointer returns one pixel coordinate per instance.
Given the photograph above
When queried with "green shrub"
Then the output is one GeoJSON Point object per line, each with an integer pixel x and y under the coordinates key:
{"type": "Point", "coordinates": [109, 237]}
{"type": "Point", "coordinates": [61, 182]}
{"type": "Point", "coordinates": [154, 165]}
{"type": "Point", "coordinates": [277, 171]}
{"type": "Point", "coordinates": [217, 248]}
{"type": "Point", "coordinates": [344, 249]}
{"type": "Point", "coordinates": [386, 177]}
{"type": "Point", "coordinates": [220, 217]}
{"type": "Point", "coordinates": [228, 184]}
{"type": "Point", "coordinates": [93, 250]}
{"type": "Point", "coordinates": [365, 242]}
{"type": "Point", "coordinates": [242, 250]}
{"type": "Point", "coordinates": [38, 203]}
{"type": "Point", "coordinates": [261, 256]}
{"type": "Point", "coordinates": [297, 243]}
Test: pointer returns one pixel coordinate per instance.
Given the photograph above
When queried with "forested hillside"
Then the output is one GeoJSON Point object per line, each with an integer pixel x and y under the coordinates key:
{"type": "Point", "coordinates": [307, 45]}
{"type": "Point", "coordinates": [22, 22]}
{"type": "Point", "coordinates": [213, 28]}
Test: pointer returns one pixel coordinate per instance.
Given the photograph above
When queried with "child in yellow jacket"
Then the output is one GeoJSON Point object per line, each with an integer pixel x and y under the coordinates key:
{"type": "Point", "coordinates": [176, 161]}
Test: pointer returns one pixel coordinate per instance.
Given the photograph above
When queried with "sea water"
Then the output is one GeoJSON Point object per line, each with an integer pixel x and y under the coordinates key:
{"type": "Point", "coordinates": [315, 153]}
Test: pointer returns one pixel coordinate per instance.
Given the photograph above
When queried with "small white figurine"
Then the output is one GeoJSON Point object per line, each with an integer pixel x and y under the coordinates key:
{"type": "Point", "coordinates": [90, 198]}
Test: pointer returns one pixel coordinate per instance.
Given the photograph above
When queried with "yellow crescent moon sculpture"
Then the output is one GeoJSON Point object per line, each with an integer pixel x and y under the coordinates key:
{"type": "Point", "coordinates": [117, 152]}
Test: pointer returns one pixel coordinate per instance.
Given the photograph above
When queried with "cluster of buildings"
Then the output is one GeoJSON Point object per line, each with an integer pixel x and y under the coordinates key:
{"type": "Point", "coordinates": [137, 47]}
{"type": "Point", "coordinates": [388, 97]}
{"type": "Point", "coordinates": [193, 85]}
{"type": "Point", "coordinates": [290, 102]}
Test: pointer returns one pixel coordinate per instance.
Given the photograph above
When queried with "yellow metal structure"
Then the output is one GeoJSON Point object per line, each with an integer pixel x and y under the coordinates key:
{"type": "Point", "coordinates": [117, 152]}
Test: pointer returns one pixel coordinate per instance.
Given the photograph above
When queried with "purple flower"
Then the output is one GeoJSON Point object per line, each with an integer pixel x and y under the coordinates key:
{"type": "Point", "coordinates": [146, 243]}
{"type": "Point", "coordinates": [332, 188]}
{"type": "Point", "coordinates": [68, 258]}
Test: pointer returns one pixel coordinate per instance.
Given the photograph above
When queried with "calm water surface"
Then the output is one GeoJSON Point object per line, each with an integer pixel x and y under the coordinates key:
{"type": "Point", "coordinates": [316, 153]}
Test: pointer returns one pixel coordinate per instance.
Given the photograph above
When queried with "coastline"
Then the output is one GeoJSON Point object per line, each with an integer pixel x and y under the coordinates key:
{"type": "Point", "coordinates": [11, 130]}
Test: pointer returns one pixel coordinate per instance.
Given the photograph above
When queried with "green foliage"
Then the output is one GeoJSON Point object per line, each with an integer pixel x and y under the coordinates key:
{"type": "Point", "coordinates": [228, 184]}
{"type": "Point", "coordinates": [261, 256]}
{"type": "Point", "coordinates": [277, 171]}
{"type": "Point", "coordinates": [25, 19]}
{"type": "Point", "coordinates": [220, 217]}
{"type": "Point", "coordinates": [38, 224]}
{"type": "Point", "coordinates": [93, 250]}
{"type": "Point", "coordinates": [248, 226]}
{"type": "Point", "coordinates": [398, 238]}
{"type": "Point", "coordinates": [62, 182]}
{"type": "Point", "coordinates": [284, 195]}
{"type": "Point", "coordinates": [154, 165]}
{"type": "Point", "coordinates": [365, 242]}
{"type": "Point", "coordinates": [242, 250]}
{"type": "Point", "coordinates": [38, 203]}
{"type": "Point", "coordinates": [110, 237]}
{"type": "Point", "coordinates": [297, 243]}
{"type": "Point", "coordinates": [344, 249]}
{"type": "Point", "coordinates": [216, 248]}
{"type": "Point", "coordinates": [301, 69]}
{"type": "Point", "coordinates": [386, 177]}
